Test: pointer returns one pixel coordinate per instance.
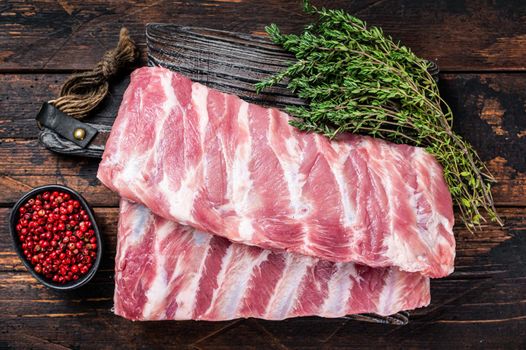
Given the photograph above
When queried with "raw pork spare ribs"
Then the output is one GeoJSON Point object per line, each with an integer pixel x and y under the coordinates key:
{"type": "Point", "coordinates": [210, 160]}
{"type": "Point", "coordinates": [167, 271]}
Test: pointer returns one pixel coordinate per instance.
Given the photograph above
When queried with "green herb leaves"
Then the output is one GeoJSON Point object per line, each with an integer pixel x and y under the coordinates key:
{"type": "Point", "coordinates": [356, 79]}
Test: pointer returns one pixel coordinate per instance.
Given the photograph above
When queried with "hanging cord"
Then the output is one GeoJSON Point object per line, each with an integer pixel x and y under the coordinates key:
{"type": "Point", "coordinates": [82, 92]}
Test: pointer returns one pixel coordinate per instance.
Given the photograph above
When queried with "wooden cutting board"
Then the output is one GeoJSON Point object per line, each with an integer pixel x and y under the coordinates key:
{"type": "Point", "coordinates": [228, 61]}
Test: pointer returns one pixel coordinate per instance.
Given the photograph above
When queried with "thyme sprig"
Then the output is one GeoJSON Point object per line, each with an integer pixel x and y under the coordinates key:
{"type": "Point", "coordinates": [357, 79]}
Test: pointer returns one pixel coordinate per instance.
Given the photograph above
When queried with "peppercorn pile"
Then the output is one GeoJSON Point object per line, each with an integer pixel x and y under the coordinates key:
{"type": "Point", "coordinates": [56, 236]}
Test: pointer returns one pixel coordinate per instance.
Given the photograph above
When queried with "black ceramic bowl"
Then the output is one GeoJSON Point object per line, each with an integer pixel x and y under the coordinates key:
{"type": "Point", "coordinates": [13, 219]}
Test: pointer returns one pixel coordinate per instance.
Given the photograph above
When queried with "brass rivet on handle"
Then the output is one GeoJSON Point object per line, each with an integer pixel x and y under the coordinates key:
{"type": "Point", "coordinates": [79, 134]}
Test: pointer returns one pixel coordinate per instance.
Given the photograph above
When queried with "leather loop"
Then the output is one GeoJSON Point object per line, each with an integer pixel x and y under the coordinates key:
{"type": "Point", "coordinates": [64, 125]}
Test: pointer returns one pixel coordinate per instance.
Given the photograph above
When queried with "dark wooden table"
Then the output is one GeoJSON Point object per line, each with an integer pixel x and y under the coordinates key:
{"type": "Point", "coordinates": [480, 46]}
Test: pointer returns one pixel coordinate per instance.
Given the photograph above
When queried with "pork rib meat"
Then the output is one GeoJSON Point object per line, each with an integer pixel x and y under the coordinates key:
{"type": "Point", "coordinates": [210, 160]}
{"type": "Point", "coordinates": [166, 271]}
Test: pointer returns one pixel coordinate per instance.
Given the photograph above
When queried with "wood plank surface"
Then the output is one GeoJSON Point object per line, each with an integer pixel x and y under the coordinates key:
{"type": "Point", "coordinates": [470, 303]}
{"type": "Point", "coordinates": [21, 96]}
{"type": "Point", "coordinates": [489, 111]}
{"type": "Point", "coordinates": [459, 35]}
{"type": "Point", "coordinates": [24, 163]}
{"type": "Point", "coordinates": [479, 44]}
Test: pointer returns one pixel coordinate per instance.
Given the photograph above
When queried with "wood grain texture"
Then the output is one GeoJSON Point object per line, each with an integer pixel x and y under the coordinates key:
{"type": "Point", "coordinates": [488, 108]}
{"type": "Point", "coordinates": [233, 62]}
{"type": "Point", "coordinates": [468, 304]}
{"type": "Point", "coordinates": [24, 163]}
{"type": "Point", "coordinates": [482, 305]}
{"type": "Point", "coordinates": [459, 35]}
{"type": "Point", "coordinates": [21, 96]}
{"type": "Point", "coordinates": [229, 61]}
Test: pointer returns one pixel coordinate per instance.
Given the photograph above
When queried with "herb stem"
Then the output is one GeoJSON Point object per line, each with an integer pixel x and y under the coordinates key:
{"type": "Point", "coordinates": [354, 78]}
